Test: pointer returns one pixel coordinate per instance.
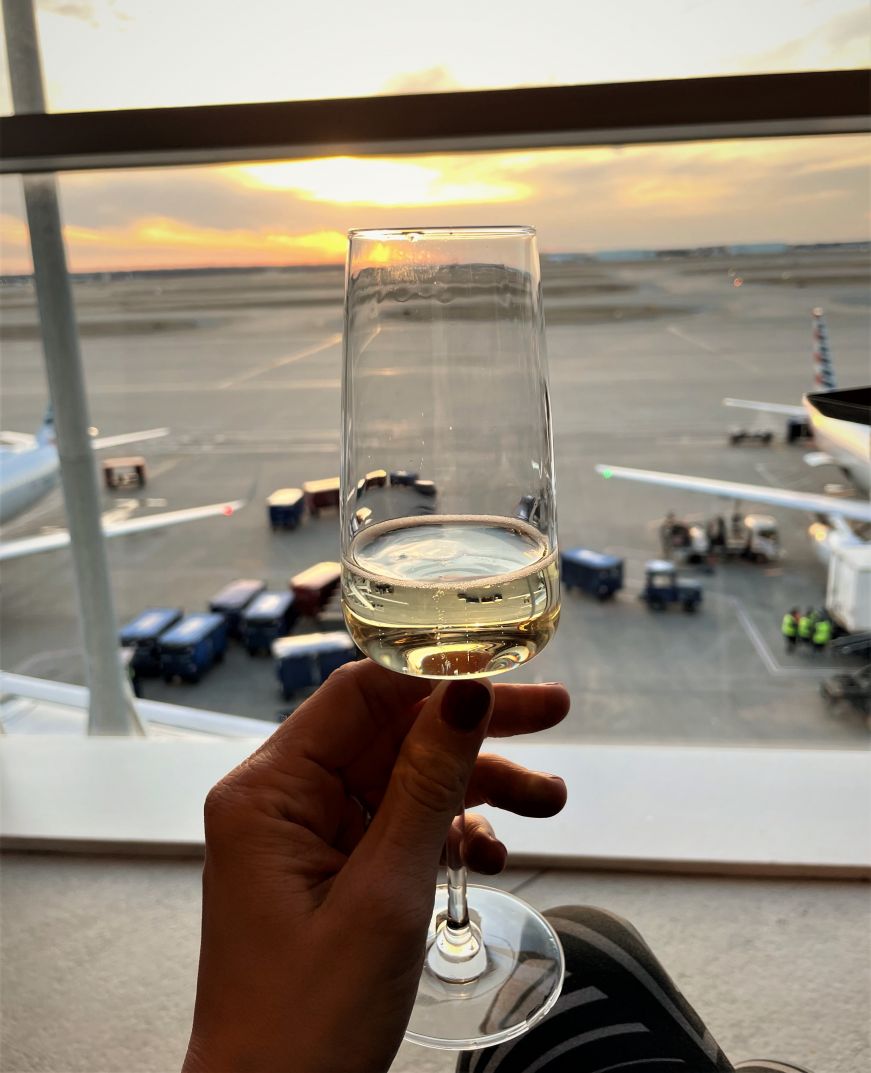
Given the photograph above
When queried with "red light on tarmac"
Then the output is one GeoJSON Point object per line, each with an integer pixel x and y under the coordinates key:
{"type": "Point", "coordinates": [228, 510]}
{"type": "Point", "coordinates": [737, 282]}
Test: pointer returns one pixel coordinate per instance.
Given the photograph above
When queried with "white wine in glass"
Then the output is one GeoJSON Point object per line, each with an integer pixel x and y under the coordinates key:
{"type": "Point", "coordinates": [449, 555]}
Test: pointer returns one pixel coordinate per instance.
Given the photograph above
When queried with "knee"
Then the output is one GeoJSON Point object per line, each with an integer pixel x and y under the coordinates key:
{"type": "Point", "coordinates": [601, 921]}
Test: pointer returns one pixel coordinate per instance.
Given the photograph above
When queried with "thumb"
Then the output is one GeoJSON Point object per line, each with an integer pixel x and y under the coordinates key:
{"type": "Point", "coordinates": [428, 784]}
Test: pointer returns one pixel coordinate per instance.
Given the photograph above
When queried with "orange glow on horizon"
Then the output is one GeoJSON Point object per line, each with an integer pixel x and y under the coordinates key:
{"type": "Point", "coordinates": [164, 242]}
{"type": "Point", "coordinates": [383, 182]}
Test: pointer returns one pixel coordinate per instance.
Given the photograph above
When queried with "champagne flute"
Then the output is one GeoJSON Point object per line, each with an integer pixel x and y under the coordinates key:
{"type": "Point", "coordinates": [449, 556]}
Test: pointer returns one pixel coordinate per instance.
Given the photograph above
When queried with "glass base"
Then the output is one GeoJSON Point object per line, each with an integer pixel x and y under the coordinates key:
{"type": "Point", "coordinates": [521, 975]}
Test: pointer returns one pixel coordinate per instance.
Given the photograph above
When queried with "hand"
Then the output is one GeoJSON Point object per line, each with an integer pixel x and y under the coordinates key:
{"type": "Point", "coordinates": [322, 853]}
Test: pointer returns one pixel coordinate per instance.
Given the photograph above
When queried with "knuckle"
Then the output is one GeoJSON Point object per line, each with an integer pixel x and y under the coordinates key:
{"type": "Point", "coordinates": [221, 809]}
{"type": "Point", "coordinates": [435, 781]}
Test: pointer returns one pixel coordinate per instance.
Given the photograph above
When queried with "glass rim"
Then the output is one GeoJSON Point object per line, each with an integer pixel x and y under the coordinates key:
{"type": "Point", "coordinates": [442, 232]}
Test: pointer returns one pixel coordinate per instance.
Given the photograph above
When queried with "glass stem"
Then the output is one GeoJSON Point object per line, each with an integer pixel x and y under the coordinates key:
{"type": "Point", "coordinates": [458, 909]}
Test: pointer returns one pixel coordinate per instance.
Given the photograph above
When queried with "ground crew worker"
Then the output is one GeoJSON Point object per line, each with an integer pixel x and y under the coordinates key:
{"type": "Point", "coordinates": [806, 624]}
{"type": "Point", "coordinates": [822, 634]}
{"type": "Point", "coordinates": [666, 531]}
{"type": "Point", "coordinates": [789, 628]}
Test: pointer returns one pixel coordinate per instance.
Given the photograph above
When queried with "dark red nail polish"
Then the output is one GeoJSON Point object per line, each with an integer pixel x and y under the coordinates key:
{"type": "Point", "coordinates": [465, 704]}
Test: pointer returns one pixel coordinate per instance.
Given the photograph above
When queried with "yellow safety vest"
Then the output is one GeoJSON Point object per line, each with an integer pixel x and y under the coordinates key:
{"type": "Point", "coordinates": [822, 632]}
{"type": "Point", "coordinates": [788, 626]}
{"type": "Point", "coordinates": [805, 627]}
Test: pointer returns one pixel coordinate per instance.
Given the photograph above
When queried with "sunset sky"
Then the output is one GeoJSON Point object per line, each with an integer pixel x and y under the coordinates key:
{"type": "Point", "coordinates": [129, 53]}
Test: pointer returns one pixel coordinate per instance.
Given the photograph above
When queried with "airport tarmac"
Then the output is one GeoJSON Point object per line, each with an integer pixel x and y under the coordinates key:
{"type": "Point", "coordinates": [245, 368]}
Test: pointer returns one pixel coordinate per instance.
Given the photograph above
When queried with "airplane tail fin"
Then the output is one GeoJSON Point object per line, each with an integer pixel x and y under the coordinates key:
{"type": "Point", "coordinates": [824, 372]}
{"type": "Point", "coordinates": [46, 431]}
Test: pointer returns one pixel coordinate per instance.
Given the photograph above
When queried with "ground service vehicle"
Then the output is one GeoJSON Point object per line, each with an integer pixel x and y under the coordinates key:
{"type": "Point", "coordinates": [314, 586]}
{"type": "Point", "coordinates": [307, 660]}
{"type": "Point", "coordinates": [759, 436]}
{"type": "Point", "coordinates": [848, 592]}
{"type": "Point", "coordinates": [268, 617]}
{"type": "Point", "coordinates": [403, 478]}
{"type": "Point", "coordinates": [232, 600]}
{"type": "Point", "coordinates": [592, 572]}
{"type": "Point", "coordinates": [141, 635]}
{"type": "Point", "coordinates": [321, 495]}
{"type": "Point", "coordinates": [192, 646]}
{"type": "Point", "coordinates": [285, 508]}
{"type": "Point", "coordinates": [662, 587]}
{"type": "Point", "coordinates": [854, 688]}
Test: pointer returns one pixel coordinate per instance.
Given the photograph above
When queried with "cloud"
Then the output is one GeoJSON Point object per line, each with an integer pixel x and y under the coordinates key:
{"type": "Point", "coordinates": [753, 190]}
{"type": "Point", "coordinates": [386, 182]}
{"type": "Point", "coordinates": [844, 41]}
{"type": "Point", "coordinates": [432, 80]}
{"type": "Point", "coordinates": [71, 9]}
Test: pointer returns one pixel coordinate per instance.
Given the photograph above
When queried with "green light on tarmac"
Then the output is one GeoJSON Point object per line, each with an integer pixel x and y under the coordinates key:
{"type": "Point", "coordinates": [607, 474]}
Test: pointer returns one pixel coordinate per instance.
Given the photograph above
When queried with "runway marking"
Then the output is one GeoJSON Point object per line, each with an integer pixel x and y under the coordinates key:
{"type": "Point", "coordinates": [162, 468]}
{"type": "Point", "coordinates": [290, 359]}
{"type": "Point", "coordinates": [39, 658]}
{"type": "Point", "coordinates": [189, 386]}
{"type": "Point", "coordinates": [691, 339]}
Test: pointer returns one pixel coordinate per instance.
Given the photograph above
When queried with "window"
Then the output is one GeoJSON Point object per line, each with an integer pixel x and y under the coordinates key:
{"type": "Point", "coordinates": [209, 301]}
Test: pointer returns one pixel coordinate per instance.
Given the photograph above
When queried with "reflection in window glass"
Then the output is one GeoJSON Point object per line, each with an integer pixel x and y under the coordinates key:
{"type": "Point", "coordinates": [210, 302]}
{"type": "Point", "coordinates": [146, 53]}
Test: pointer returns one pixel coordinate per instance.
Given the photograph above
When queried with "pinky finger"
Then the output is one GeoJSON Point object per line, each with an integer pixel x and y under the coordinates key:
{"type": "Point", "coordinates": [482, 850]}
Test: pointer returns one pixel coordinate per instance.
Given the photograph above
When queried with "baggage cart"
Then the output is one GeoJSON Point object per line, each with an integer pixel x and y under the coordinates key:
{"type": "Point", "coordinates": [285, 508]}
{"type": "Point", "coordinates": [403, 478]}
{"type": "Point", "coordinates": [141, 635]}
{"type": "Point", "coordinates": [314, 586]}
{"type": "Point", "coordinates": [268, 617]}
{"type": "Point", "coordinates": [307, 660]}
{"type": "Point", "coordinates": [425, 488]}
{"type": "Point", "coordinates": [121, 472]}
{"type": "Point", "coordinates": [376, 478]}
{"type": "Point", "coordinates": [320, 495]}
{"type": "Point", "coordinates": [593, 572]}
{"type": "Point", "coordinates": [192, 646]}
{"type": "Point", "coordinates": [232, 600]}
{"type": "Point", "coordinates": [330, 617]}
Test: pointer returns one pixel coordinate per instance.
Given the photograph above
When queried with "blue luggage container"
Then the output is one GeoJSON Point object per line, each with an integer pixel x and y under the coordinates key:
{"type": "Point", "coordinates": [232, 600]}
{"type": "Point", "coordinates": [268, 617]}
{"type": "Point", "coordinates": [592, 572]}
{"type": "Point", "coordinates": [403, 478]}
{"type": "Point", "coordinates": [192, 646]}
{"type": "Point", "coordinates": [306, 660]}
{"type": "Point", "coordinates": [141, 633]}
{"type": "Point", "coordinates": [285, 508]}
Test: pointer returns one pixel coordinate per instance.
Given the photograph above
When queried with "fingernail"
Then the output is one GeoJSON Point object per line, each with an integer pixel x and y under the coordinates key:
{"type": "Point", "coordinates": [465, 704]}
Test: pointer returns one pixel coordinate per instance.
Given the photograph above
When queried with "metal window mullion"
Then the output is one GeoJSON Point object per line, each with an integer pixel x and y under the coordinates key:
{"type": "Point", "coordinates": [111, 707]}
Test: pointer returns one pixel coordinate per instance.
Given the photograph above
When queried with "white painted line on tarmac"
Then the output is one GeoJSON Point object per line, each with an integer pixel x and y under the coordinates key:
{"type": "Point", "coordinates": [193, 387]}
{"type": "Point", "coordinates": [775, 669]}
{"type": "Point", "coordinates": [289, 359]}
{"type": "Point", "coordinates": [40, 658]}
{"type": "Point", "coordinates": [691, 339]}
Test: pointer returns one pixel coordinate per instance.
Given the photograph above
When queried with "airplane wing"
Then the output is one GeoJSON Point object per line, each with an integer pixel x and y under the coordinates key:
{"type": "Point", "coordinates": [855, 509]}
{"type": "Point", "coordinates": [128, 437]}
{"type": "Point", "coordinates": [768, 407]}
{"type": "Point", "coordinates": [14, 549]}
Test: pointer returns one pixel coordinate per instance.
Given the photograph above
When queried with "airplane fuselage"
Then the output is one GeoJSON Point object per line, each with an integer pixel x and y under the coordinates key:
{"type": "Point", "coordinates": [29, 470]}
{"type": "Point", "coordinates": [847, 442]}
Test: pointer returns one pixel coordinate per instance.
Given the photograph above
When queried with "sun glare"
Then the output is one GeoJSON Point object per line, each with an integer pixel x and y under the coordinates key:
{"type": "Point", "coordinates": [375, 181]}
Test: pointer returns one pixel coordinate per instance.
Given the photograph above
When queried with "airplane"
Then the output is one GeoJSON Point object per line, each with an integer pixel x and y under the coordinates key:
{"type": "Point", "coordinates": [843, 444]}
{"type": "Point", "coordinates": [30, 469]}
{"type": "Point", "coordinates": [841, 424]}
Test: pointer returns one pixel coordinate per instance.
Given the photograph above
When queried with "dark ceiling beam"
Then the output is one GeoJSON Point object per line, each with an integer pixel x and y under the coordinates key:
{"type": "Point", "coordinates": [741, 106]}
